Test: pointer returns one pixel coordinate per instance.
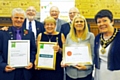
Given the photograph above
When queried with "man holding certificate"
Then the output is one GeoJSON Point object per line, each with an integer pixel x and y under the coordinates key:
{"type": "Point", "coordinates": [77, 56]}
{"type": "Point", "coordinates": [17, 49]}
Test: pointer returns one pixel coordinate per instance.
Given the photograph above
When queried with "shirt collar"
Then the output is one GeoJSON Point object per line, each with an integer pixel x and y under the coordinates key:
{"type": "Point", "coordinates": [14, 29]}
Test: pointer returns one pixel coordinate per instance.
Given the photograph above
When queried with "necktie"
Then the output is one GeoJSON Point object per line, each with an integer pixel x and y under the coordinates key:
{"type": "Point", "coordinates": [18, 36]}
{"type": "Point", "coordinates": [70, 24]}
{"type": "Point", "coordinates": [30, 26]}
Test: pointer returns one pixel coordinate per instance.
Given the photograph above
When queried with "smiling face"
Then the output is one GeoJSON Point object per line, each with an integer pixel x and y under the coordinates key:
{"type": "Point", "coordinates": [18, 19]}
{"type": "Point", "coordinates": [104, 24]}
{"type": "Point", "coordinates": [31, 13]}
{"type": "Point", "coordinates": [50, 27]}
{"type": "Point", "coordinates": [54, 12]}
{"type": "Point", "coordinates": [72, 12]}
{"type": "Point", "coordinates": [79, 24]}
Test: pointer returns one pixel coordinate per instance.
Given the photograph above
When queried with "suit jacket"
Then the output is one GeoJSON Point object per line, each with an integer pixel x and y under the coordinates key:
{"type": "Point", "coordinates": [59, 23]}
{"type": "Point", "coordinates": [10, 35]}
{"type": "Point", "coordinates": [65, 28]}
{"type": "Point", "coordinates": [39, 27]}
{"type": "Point", "coordinates": [113, 56]}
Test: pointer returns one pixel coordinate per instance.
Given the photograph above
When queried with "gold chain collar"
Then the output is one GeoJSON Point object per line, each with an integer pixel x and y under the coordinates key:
{"type": "Point", "coordinates": [105, 43]}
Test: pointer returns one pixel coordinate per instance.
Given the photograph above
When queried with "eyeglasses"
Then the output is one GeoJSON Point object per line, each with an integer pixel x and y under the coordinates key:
{"type": "Point", "coordinates": [31, 10]}
{"type": "Point", "coordinates": [73, 12]}
{"type": "Point", "coordinates": [79, 21]}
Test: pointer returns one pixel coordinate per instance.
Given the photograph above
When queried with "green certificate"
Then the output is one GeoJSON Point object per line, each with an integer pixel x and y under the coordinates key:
{"type": "Point", "coordinates": [46, 56]}
{"type": "Point", "coordinates": [18, 53]}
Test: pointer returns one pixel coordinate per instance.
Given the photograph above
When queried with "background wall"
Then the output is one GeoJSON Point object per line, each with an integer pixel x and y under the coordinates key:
{"type": "Point", "coordinates": [6, 7]}
{"type": "Point", "coordinates": [88, 8]}
{"type": "Point", "coordinates": [63, 5]}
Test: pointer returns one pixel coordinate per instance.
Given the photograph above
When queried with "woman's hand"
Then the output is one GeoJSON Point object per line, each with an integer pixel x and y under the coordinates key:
{"type": "Point", "coordinates": [56, 47]}
{"type": "Point", "coordinates": [36, 68]}
{"type": "Point", "coordinates": [5, 28]}
{"type": "Point", "coordinates": [30, 65]}
{"type": "Point", "coordinates": [63, 64]}
{"type": "Point", "coordinates": [80, 67]}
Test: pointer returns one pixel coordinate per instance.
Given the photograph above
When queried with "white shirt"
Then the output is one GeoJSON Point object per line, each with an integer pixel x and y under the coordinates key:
{"type": "Point", "coordinates": [56, 24]}
{"type": "Point", "coordinates": [33, 26]}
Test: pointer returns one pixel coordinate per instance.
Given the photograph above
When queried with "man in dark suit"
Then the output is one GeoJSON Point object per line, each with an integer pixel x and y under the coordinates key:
{"type": "Point", "coordinates": [36, 26]}
{"type": "Point", "coordinates": [65, 28]}
{"type": "Point", "coordinates": [6, 71]}
{"type": "Point", "coordinates": [54, 12]}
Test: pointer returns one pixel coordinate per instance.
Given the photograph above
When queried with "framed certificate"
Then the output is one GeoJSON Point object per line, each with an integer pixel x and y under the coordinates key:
{"type": "Point", "coordinates": [46, 56]}
{"type": "Point", "coordinates": [18, 53]}
{"type": "Point", "coordinates": [80, 54]}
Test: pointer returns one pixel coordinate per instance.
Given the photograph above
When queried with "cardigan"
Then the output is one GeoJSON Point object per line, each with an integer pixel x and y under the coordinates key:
{"type": "Point", "coordinates": [74, 72]}
{"type": "Point", "coordinates": [113, 54]}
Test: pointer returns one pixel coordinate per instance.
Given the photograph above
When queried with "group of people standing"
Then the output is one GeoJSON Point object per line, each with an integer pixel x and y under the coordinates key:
{"type": "Point", "coordinates": [104, 47]}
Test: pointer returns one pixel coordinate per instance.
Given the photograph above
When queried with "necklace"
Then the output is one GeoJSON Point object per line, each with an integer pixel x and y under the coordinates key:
{"type": "Point", "coordinates": [105, 43]}
{"type": "Point", "coordinates": [49, 37]}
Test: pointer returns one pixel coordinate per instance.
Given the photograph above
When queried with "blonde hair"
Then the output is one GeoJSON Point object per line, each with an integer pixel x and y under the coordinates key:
{"type": "Point", "coordinates": [73, 30]}
{"type": "Point", "coordinates": [50, 19]}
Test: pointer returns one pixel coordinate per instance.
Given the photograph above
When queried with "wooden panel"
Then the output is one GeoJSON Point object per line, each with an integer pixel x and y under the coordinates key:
{"type": "Point", "coordinates": [89, 8]}
{"type": "Point", "coordinates": [94, 29]}
{"type": "Point", "coordinates": [6, 6]}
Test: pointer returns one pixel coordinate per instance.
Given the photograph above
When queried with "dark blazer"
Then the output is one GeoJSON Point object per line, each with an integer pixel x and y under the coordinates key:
{"type": "Point", "coordinates": [39, 27]}
{"type": "Point", "coordinates": [59, 23]}
{"type": "Point", "coordinates": [10, 35]}
{"type": "Point", "coordinates": [113, 56]}
{"type": "Point", "coordinates": [65, 28]}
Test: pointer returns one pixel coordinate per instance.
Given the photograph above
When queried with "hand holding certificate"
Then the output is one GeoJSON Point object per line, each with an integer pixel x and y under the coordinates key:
{"type": "Point", "coordinates": [46, 56]}
{"type": "Point", "coordinates": [77, 55]}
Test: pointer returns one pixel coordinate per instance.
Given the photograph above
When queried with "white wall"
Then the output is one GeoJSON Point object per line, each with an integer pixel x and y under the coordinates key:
{"type": "Point", "coordinates": [63, 5]}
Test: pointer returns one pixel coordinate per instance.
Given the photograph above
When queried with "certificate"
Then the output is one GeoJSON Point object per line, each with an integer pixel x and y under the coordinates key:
{"type": "Point", "coordinates": [80, 54]}
{"type": "Point", "coordinates": [18, 53]}
{"type": "Point", "coordinates": [46, 56]}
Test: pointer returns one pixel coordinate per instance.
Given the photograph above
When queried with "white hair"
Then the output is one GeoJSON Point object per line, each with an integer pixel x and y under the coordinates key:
{"type": "Point", "coordinates": [18, 10]}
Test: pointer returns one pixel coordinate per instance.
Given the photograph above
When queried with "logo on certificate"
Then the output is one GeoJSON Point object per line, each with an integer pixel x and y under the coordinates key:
{"type": "Point", "coordinates": [69, 53]}
{"type": "Point", "coordinates": [13, 45]}
{"type": "Point", "coordinates": [41, 46]}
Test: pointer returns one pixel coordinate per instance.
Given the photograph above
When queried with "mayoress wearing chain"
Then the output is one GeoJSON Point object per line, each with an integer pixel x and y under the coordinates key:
{"type": "Point", "coordinates": [107, 48]}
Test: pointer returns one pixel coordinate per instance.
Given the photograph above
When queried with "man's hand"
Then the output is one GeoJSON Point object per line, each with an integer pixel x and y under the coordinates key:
{"type": "Point", "coordinates": [9, 68]}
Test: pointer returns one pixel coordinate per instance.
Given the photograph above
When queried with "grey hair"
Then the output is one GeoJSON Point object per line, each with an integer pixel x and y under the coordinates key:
{"type": "Point", "coordinates": [54, 7]}
{"type": "Point", "coordinates": [18, 10]}
{"type": "Point", "coordinates": [76, 9]}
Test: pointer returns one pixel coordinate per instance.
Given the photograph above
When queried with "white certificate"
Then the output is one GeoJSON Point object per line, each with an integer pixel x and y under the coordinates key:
{"type": "Point", "coordinates": [46, 56]}
{"type": "Point", "coordinates": [77, 54]}
{"type": "Point", "coordinates": [18, 53]}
